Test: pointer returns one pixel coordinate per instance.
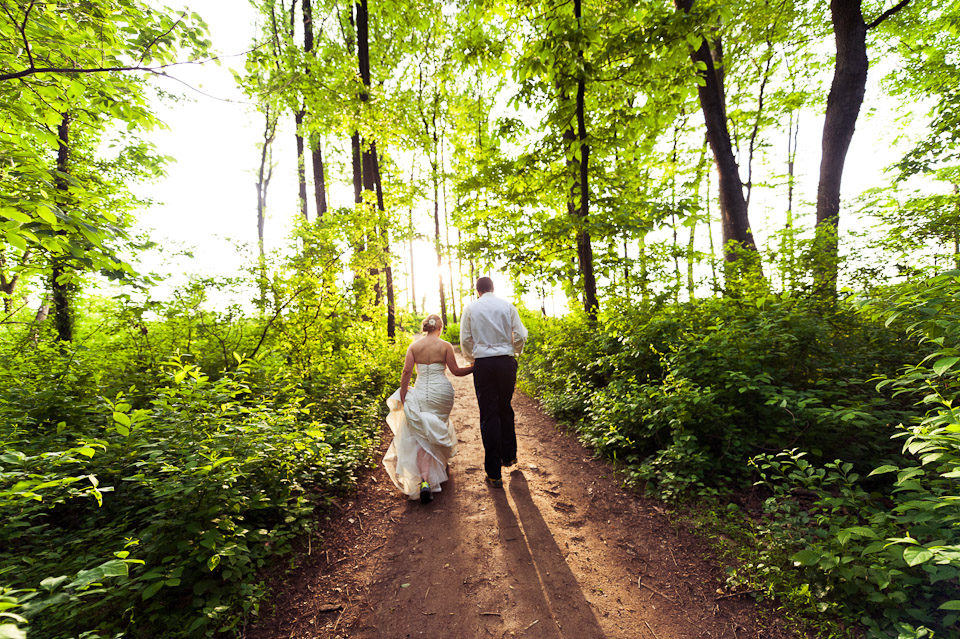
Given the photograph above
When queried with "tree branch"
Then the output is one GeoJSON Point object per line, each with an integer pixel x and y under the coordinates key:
{"type": "Point", "coordinates": [889, 12]}
{"type": "Point", "coordinates": [147, 48]}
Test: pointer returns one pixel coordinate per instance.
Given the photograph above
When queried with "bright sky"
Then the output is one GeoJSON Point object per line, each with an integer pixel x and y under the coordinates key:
{"type": "Point", "coordinates": [208, 200]}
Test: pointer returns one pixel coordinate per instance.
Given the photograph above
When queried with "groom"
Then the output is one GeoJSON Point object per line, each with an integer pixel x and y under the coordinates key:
{"type": "Point", "coordinates": [491, 334]}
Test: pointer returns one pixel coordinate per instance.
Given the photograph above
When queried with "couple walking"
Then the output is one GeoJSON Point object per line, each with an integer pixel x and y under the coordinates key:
{"type": "Point", "coordinates": [424, 440]}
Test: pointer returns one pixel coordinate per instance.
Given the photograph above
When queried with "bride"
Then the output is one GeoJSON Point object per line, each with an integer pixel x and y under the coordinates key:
{"type": "Point", "coordinates": [423, 438]}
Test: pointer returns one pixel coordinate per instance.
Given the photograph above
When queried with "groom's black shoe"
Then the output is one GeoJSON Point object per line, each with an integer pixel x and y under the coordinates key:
{"type": "Point", "coordinates": [496, 483]}
{"type": "Point", "coordinates": [426, 496]}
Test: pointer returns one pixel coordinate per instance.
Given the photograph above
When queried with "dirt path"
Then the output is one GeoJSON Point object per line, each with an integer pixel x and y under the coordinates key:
{"type": "Point", "coordinates": [560, 551]}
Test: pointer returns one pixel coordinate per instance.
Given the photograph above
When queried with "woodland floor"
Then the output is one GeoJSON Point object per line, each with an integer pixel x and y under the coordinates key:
{"type": "Point", "coordinates": [560, 551]}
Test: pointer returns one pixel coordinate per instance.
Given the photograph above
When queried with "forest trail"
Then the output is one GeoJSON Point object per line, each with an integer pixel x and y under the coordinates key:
{"type": "Point", "coordinates": [560, 551]}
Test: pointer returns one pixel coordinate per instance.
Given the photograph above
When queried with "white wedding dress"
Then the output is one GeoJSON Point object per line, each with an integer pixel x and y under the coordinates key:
{"type": "Point", "coordinates": [422, 422]}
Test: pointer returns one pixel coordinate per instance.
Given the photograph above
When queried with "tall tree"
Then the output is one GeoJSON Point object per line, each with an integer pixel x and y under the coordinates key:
{"type": "Point", "coordinates": [708, 58]}
{"type": "Point", "coordinates": [843, 108]}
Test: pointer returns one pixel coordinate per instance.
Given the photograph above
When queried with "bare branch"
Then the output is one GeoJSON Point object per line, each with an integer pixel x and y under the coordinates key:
{"type": "Point", "coordinates": [889, 12]}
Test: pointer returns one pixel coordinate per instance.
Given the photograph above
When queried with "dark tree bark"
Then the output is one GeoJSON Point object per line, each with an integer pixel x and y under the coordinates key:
{"type": "Point", "coordinates": [385, 242]}
{"type": "Point", "coordinates": [843, 109]}
{"type": "Point", "coordinates": [368, 162]}
{"type": "Point", "coordinates": [60, 289]}
{"type": "Point", "coordinates": [733, 206]}
{"type": "Point", "coordinates": [319, 178]}
{"type": "Point", "coordinates": [578, 203]}
{"type": "Point", "coordinates": [301, 165]}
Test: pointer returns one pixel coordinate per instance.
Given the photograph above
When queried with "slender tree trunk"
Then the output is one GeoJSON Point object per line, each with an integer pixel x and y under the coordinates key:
{"type": "Point", "coordinates": [319, 178]}
{"type": "Point", "coordinates": [788, 244]}
{"type": "Point", "coordinates": [733, 206]}
{"type": "Point", "coordinates": [691, 254]}
{"type": "Point", "coordinates": [435, 178]}
{"type": "Point", "coordinates": [385, 243]}
{"type": "Point", "coordinates": [956, 232]}
{"type": "Point", "coordinates": [301, 166]}
{"type": "Point", "coordinates": [59, 286]}
{"type": "Point", "coordinates": [264, 176]}
{"type": "Point", "coordinates": [413, 279]}
{"type": "Point", "coordinates": [578, 197]}
{"type": "Point", "coordinates": [436, 240]}
{"type": "Point", "coordinates": [446, 227]}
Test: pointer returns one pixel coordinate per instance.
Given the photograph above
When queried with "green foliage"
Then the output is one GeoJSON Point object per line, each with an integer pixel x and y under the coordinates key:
{"type": "Point", "coordinates": [683, 395]}
{"type": "Point", "coordinates": [142, 493]}
{"type": "Point", "coordinates": [852, 526]}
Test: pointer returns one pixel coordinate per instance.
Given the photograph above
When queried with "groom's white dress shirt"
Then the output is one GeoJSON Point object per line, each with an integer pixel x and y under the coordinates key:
{"type": "Point", "coordinates": [490, 327]}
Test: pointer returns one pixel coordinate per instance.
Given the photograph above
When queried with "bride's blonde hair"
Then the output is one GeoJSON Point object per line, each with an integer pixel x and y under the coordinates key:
{"type": "Point", "coordinates": [431, 323]}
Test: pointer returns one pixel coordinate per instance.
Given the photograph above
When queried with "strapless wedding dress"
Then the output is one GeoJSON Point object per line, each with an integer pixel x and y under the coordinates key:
{"type": "Point", "coordinates": [421, 422]}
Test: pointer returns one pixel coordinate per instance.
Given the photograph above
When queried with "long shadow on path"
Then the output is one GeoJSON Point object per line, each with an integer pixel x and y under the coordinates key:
{"type": "Point", "coordinates": [551, 601]}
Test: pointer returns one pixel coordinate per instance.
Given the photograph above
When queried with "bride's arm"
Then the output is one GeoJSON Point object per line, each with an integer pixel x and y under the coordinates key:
{"type": "Point", "coordinates": [451, 362]}
{"type": "Point", "coordinates": [408, 363]}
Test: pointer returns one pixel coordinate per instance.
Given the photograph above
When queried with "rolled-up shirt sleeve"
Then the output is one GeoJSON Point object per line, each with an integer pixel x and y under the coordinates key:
{"type": "Point", "coordinates": [519, 333]}
{"type": "Point", "coordinates": [466, 335]}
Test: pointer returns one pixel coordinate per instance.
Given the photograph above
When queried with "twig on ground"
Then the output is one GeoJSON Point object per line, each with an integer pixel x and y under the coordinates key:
{"type": "Point", "coordinates": [737, 594]}
{"type": "Point", "coordinates": [672, 556]}
{"type": "Point", "coordinates": [531, 625]}
{"type": "Point", "coordinates": [490, 614]}
{"type": "Point", "coordinates": [334, 632]}
{"type": "Point", "coordinates": [372, 550]}
{"type": "Point", "coordinates": [654, 590]}
{"type": "Point", "coordinates": [650, 629]}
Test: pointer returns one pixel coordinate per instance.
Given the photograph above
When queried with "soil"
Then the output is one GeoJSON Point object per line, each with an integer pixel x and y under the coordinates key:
{"type": "Point", "coordinates": [562, 550]}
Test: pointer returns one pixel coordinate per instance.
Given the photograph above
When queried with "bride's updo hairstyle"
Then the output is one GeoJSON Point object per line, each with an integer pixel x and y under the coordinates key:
{"type": "Point", "coordinates": [431, 323]}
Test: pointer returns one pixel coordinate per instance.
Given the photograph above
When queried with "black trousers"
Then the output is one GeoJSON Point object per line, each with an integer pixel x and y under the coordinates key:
{"type": "Point", "coordinates": [494, 379]}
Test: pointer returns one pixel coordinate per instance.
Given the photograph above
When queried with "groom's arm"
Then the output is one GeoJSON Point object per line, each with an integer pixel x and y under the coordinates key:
{"type": "Point", "coordinates": [466, 335]}
{"type": "Point", "coordinates": [519, 332]}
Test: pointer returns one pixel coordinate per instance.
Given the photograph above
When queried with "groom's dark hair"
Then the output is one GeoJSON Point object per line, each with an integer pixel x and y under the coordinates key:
{"type": "Point", "coordinates": [484, 285]}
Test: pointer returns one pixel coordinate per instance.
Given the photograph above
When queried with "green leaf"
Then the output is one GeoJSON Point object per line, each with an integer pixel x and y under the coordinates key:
{"type": "Point", "coordinates": [806, 557]}
{"type": "Point", "coordinates": [951, 605]}
{"type": "Point", "coordinates": [884, 469]}
{"type": "Point", "coordinates": [943, 364]}
{"type": "Point", "coordinates": [121, 418]}
{"type": "Point", "coordinates": [14, 214]}
{"type": "Point", "coordinates": [45, 214]}
{"type": "Point", "coordinates": [151, 590]}
{"type": "Point", "coordinates": [916, 555]}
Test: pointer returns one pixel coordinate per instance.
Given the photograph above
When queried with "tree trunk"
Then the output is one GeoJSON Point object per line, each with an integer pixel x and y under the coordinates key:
{"type": "Point", "coordinates": [263, 183]}
{"type": "Point", "coordinates": [301, 165]}
{"type": "Point", "coordinates": [578, 204]}
{"type": "Point", "coordinates": [385, 239]}
{"type": "Point", "coordinates": [788, 244]}
{"type": "Point", "coordinates": [446, 226]}
{"type": "Point", "coordinates": [319, 179]}
{"type": "Point", "coordinates": [843, 109]}
{"type": "Point", "coordinates": [733, 206]}
{"type": "Point", "coordinates": [413, 279]}
{"type": "Point", "coordinates": [59, 286]}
